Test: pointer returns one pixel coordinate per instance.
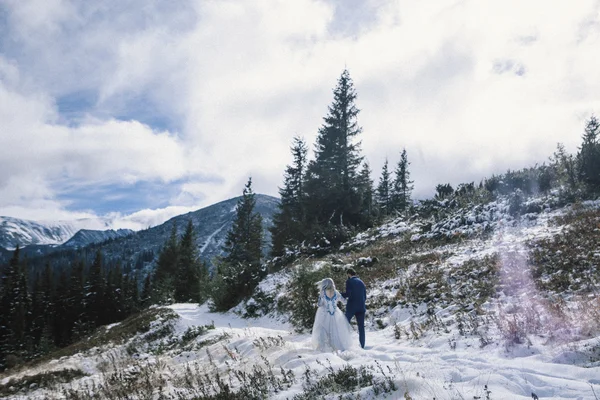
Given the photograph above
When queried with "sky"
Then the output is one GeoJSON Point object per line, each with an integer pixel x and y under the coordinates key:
{"type": "Point", "coordinates": [138, 111]}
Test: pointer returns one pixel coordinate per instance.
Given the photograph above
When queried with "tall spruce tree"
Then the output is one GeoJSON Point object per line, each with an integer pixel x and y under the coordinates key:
{"type": "Point", "coordinates": [402, 186]}
{"type": "Point", "coordinates": [131, 295]}
{"type": "Point", "coordinates": [332, 180]}
{"type": "Point", "coordinates": [113, 296]}
{"type": "Point", "coordinates": [163, 280]}
{"type": "Point", "coordinates": [240, 270]}
{"type": "Point", "coordinates": [14, 309]}
{"type": "Point", "coordinates": [61, 324]}
{"type": "Point", "coordinates": [191, 279]}
{"type": "Point", "coordinates": [368, 210]}
{"type": "Point", "coordinates": [565, 169]}
{"type": "Point", "coordinates": [146, 296]}
{"type": "Point", "coordinates": [94, 294]}
{"type": "Point", "coordinates": [37, 318]}
{"type": "Point", "coordinates": [383, 193]}
{"type": "Point", "coordinates": [289, 220]}
{"type": "Point", "coordinates": [588, 158]}
{"type": "Point", "coordinates": [76, 305]}
{"type": "Point", "coordinates": [48, 309]}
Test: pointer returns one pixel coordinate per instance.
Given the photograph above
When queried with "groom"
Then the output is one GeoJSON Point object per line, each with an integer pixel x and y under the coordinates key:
{"type": "Point", "coordinates": [356, 293]}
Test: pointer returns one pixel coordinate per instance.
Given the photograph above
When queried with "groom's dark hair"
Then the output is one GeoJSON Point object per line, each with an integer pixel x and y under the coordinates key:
{"type": "Point", "coordinates": [350, 271]}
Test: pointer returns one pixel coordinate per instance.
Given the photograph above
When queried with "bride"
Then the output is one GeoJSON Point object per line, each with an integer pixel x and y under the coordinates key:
{"type": "Point", "coordinates": [331, 330]}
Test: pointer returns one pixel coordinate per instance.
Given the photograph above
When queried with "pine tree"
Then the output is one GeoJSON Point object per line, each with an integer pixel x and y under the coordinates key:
{"type": "Point", "coordinates": [21, 312]}
{"type": "Point", "coordinates": [383, 195]}
{"type": "Point", "coordinates": [113, 297]}
{"type": "Point", "coordinates": [368, 209]}
{"type": "Point", "coordinates": [37, 319]}
{"type": "Point", "coordinates": [131, 298]}
{"type": "Point", "coordinates": [588, 158]}
{"type": "Point", "coordinates": [402, 186]}
{"type": "Point", "coordinates": [14, 308]}
{"type": "Point", "coordinates": [332, 178]}
{"type": "Point", "coordinates": [191, 280]}
{"type": "Point", "coordinates": [146, 297]}
{"type": "Point", "coordinates": [565, 167]}
{"type": "Point", "coordinates": [48, 299]}
{"type": "Point", "coordinates": [289, 220]}
{"type": "Point", "coordinates": [94, 293]}
{"type": "Point", "coordinates": [240, 270]}
{"type": "Point", "coordinates": [163, 280]}
{"type": "Point", "coordinates": [443, 191]}
{"type": "Point", "coordinates": [61, 326]}
{"type": "Point", "coordinates": [76, 324]}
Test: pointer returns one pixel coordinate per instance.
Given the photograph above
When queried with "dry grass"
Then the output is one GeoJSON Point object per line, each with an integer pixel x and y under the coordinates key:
{"type": "Point", "coordinates": [392, 255]}
{"type": "Point", "coordinates": [45, 380]}
{"type": "Point", "coordinates": [118, 334]}
{"type": "Point", "coordinates": [568, 262]}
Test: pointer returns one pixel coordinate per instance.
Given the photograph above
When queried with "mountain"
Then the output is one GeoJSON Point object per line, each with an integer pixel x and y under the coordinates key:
{"type": "Point", "coordinates": [14, 231]}
{"type": "Point", "coordinates": [138, 250]}
{"type": "Point", "coordinates": [211, 225]}
{"type": "Point", "coordinates": [85, 237]}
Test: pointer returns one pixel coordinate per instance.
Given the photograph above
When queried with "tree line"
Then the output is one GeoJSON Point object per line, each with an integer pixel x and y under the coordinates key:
{"type": "Point", "coordinates": [54, 309]}
{"type": "Point", "coordinates": [331, 196]}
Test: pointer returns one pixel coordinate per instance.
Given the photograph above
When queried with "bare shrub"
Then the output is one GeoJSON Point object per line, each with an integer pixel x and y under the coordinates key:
{"type": "Point", "coordinates": [46, 379]}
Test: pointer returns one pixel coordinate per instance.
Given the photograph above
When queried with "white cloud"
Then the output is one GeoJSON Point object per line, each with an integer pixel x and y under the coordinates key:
{"type": "Point", "coordinates": [146, 218]}
{"type": "Point", "coordinates": [470, 88]}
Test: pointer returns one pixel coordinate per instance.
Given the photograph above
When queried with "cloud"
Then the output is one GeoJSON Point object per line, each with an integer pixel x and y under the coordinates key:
{"type": "Point", "coordinates": [146, 218]}
{"type": "Point", "coordinates": [199, 95]}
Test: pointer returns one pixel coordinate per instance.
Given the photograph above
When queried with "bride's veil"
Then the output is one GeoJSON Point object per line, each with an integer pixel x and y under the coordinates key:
{"type": "Point", "coordinates": [326, 284]}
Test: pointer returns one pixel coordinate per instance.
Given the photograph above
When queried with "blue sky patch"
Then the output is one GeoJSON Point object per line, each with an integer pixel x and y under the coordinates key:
{"type": "Point", "coordinates": [120, 197]}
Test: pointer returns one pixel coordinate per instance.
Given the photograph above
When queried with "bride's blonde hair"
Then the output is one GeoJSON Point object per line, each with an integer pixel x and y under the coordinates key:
{"type": "Point", "coordinates": [326, 284]}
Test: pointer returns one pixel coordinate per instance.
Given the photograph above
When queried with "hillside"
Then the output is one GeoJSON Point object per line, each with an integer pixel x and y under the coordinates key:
{"type": "Point", "coordinates": [85, 237]}
{"type": "Point", "coordinates": [211, 225]}
{"type": "Point", "coordinates": [464, 302]}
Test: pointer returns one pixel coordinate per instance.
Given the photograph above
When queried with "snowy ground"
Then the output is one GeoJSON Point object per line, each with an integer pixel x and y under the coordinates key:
{"type": "Point", "coordinates": [427, 369]}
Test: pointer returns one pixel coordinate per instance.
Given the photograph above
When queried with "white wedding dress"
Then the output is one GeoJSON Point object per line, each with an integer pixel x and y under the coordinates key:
{"type": "Point", "coordinates": [331, 330]}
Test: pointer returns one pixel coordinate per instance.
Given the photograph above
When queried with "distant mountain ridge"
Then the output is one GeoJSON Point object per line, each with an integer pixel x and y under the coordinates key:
{"type": "Point", "coordinates": [84, 237]}
{"type": "Point", "coordinates": [15, 231]}
{"type": "Point", "coordinates": [211, 225]}
{"type": "Point", "coordinates": [138, 250]}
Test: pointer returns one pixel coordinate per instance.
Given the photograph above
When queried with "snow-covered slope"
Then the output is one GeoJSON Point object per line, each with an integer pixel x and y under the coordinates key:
{"type": "Point", "coordinates": [194, 352]}
{"type": "Point", "coordinates": [15, 231]}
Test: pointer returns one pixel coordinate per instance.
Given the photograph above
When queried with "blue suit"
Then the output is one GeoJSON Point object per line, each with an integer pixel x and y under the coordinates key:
{"type": "Point", "coordinates": [356, 293]}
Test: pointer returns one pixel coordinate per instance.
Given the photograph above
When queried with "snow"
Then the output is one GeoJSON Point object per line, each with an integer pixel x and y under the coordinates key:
{"type": "Point", "coordinates": [426, 369]}
{"type": "Point", "coordinates": [25, 232]}
{"type": "Point", "coordinates": [109, 327]}
{"type": "Point", "coordinates": [194, 315]}
{"type": "Point", "coordinates": [210, 237]}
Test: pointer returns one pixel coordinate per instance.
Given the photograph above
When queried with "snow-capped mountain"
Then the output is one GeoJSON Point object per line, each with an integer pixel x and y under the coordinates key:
{"type": "Point", "coordinates": [14, 231]}
{"type": "Point", "coordinates": [211, 225]}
